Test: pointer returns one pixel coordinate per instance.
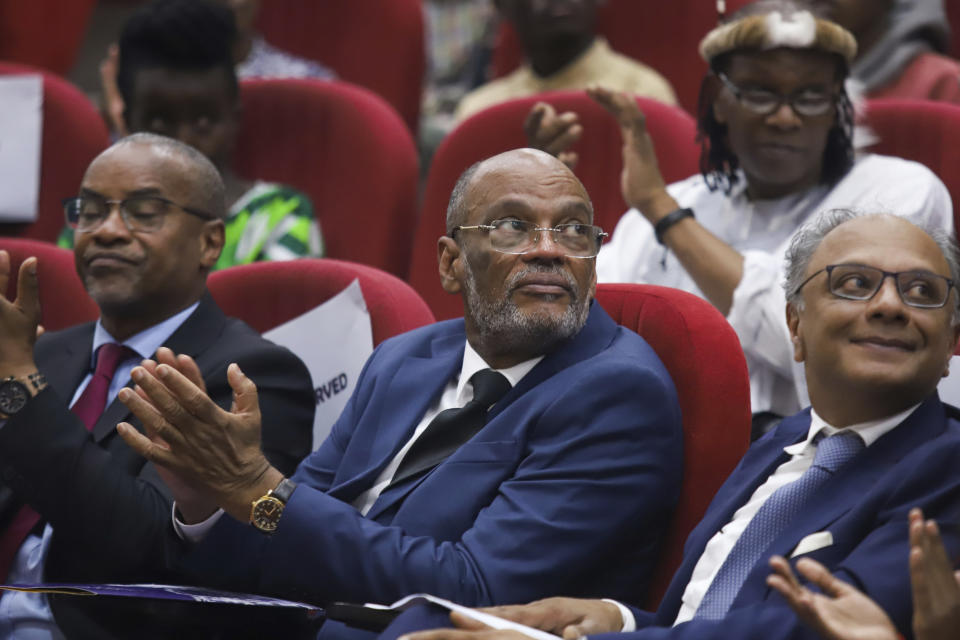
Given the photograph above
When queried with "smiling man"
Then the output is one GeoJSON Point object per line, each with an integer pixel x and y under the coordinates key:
{"type": "Point", "coordinates": [77, 504]}
{"type": "Point", "coordinates": [873, 314]}
{"type": "Point", "coordinates": [776, 128]}
{"type": "Point", "coordinates": [530, 447]}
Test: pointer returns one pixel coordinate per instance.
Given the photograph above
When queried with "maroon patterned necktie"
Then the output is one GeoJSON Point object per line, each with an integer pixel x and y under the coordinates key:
{"type": "Point", "coordinates": [88, 407]}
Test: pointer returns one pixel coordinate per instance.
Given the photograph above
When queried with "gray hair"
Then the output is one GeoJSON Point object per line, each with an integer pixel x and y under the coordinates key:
{"type": "Point", "coordinates": [203, 173]}
{"type": "Point", "coordinates": [809, 236]}
{"type": "Point", "coordinates": [457, 207]}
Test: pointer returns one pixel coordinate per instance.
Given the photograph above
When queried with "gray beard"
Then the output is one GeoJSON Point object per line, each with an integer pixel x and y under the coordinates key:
{"type": "Point", "coordinates": [503, 326]}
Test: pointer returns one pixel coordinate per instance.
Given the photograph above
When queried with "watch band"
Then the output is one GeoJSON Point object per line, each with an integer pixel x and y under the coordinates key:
{"type": "Point", "coordinates": [669, 220]}
{"type": "Point", "coordinates": [284, 490]}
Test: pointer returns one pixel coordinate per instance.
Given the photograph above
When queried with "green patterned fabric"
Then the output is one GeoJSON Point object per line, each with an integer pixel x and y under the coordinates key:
{"type": "Point", "coordinates": [269, 222]}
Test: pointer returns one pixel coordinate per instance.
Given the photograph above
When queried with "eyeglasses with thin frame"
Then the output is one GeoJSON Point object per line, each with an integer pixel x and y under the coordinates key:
{"type": "Point", "coordinates": [520, 236]}
{"type": "Point", "coordinates": [917, 288]}
{"type": "Point", "coordinates": [807, 102]}
{"type": "Point", "coordinates": [139, 213]}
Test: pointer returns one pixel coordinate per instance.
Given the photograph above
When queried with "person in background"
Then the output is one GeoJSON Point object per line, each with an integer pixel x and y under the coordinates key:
{"type": "Point", "coordinates": [563, 51]}
{"type": "Point", "coordinates": [776, 132]}
{"type": "Point", "coordinates": [901, 47]}
{"type": "Point", "coordinates": [176, 77]}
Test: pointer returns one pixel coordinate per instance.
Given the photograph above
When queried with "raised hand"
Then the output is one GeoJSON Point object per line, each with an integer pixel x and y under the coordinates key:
{"type": "Point", "coordinates": [642, 184]}
{"type": "Point", "coordinates": [936, 592]}
{"type": "Point", "coordinates": [552, 132]}
{"type": "Point", "coordinates": [840, 612]}
{"type": "Point", "coordinates": [19, 319]}
{"type": "Point", "coordinates": [213, 452]}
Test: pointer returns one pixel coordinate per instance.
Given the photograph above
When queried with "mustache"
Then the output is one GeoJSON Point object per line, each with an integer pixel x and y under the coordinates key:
{"type": "Point", "coordinates": [568, 279]}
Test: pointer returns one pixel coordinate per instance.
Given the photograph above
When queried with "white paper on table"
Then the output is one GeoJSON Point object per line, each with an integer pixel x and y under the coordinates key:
{"type": "Point", "coordinates": [334, 340]}
{"type": "Point", "coordinates": [490, 620]}
{"type": "Point", "coordinates": [21, 132]}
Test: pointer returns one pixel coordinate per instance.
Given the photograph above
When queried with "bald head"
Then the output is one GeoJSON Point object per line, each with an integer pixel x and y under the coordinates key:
{"type": "Point", "coordinates": [471, 183]}
{"type": "Point", "coordinates": [197, 176]}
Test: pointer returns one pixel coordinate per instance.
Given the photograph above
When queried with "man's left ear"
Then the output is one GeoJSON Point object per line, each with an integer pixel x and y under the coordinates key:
{"type": "Point", "coordinates": [796, 331]}
{"type": "Point", "coordinates": [212, 239]}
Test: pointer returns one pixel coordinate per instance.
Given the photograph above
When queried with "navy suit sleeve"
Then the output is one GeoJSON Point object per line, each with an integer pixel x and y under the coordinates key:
{"type": "Point", "coordinates": [594, 481]}
{"type": "Point", "coordinates": [877, 563]}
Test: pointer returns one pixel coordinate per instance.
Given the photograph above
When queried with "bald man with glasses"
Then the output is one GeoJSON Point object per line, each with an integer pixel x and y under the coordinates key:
{"type": "Point", "coordinates": [77, 504]}
{"type": "Point", "coordinates": [530, 447]}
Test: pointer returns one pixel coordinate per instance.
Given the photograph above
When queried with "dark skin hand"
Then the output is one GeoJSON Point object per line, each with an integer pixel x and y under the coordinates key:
{"type": "Point", "coordinates": [19, 319]}
{"type": "Point", "coordinates": [569, 618]}
{"type": "Point", "coordinates": [211, 457]}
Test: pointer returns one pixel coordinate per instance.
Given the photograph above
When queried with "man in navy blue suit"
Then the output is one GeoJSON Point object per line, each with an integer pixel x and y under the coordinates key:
{"type": "Point", "coordinates": [564, 483]}
{"type": "Point", "coordinates": [873, 314]}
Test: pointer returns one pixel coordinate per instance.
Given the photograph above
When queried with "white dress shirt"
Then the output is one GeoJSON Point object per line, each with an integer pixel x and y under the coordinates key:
{"type": "Point", "coordinates": [456, 394]}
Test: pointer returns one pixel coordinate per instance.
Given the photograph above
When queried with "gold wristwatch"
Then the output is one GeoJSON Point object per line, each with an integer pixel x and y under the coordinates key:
{"type": "Point", "coordinates": [15, 391]}
{"type": "Point", "coordinates": [266, 510]}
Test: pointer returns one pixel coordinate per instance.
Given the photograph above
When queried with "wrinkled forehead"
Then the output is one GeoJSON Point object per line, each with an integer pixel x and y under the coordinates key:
{"type": "Point", "coordinates": [133, 167]}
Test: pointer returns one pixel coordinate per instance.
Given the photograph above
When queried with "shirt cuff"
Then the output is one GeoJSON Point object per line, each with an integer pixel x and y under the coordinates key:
{"type": "Point", "coordinates": [629, 623]}
{"type": "Point", "coordinates": [194, 532]}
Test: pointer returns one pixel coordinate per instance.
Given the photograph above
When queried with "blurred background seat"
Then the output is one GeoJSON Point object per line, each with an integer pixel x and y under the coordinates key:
{"type": "Point", "coordinates": [43, 33]}
{"type": "Point", "coordinates": [346, 149]}
{"type": "Point", "coordinates": [73, 134]}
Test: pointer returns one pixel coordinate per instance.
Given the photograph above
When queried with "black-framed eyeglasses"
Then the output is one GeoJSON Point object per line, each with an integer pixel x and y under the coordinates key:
{"type": "Point", "coordinates": [520, 236]}
{"type": "Point", "coordinates": [807, 102]}
{"type": "Point", "coordinates": [917, 288]}
{"type": "Point", "coordinates": [139, 213]}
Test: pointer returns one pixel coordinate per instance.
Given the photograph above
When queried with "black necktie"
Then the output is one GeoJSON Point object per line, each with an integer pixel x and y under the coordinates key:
{"type": "Point", "coordinates": [452, 427]}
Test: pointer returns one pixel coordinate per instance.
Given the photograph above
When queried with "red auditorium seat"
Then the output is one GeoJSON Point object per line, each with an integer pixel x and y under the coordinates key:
{"type": "Point", "coordinates": [375, 44]}
{"type": "Point", "coordinates": [43, 33]}
{"type": "Point", "coordinates": [663, 35]}
{"type": "Point", "coordinates": [73, 134]}
{"type": "Point", "coordinates": [953, 17]}
{"type": "Point", "coordinates": [63, 300]}
{"type": "Point", "coordinates": [267, 294]}
{"type": "Point", "coordinates": [921, 130]}
{"type": "Point", "coordinates": [704, 358]}
{"type": "Point", "coordinates": [349, 151]}
{"type": "Point", "coordinates": [501, 128]}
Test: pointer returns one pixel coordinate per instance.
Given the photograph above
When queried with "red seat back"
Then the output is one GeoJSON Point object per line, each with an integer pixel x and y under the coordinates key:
{"type": "Point", "coordinates": [267, 294]}
{"type": "Point", "coordinates": [500, 128]}
{"type": "Point", "coordinates": [703, 356]}
{"type": "Point", "coordinates": [924, 131]}
{"type": "Point", "coordinates": [345, 148]}
{"type": "Point", "coordinates": [43, 33]}
{"type": "Point", "coordinates": [662, 35]}
{"type": "Point", "coordinates": [73, 134]}
{"type": "Point", "coordinates": [63, 300]}
{"type": "Point", "coordinates": [375, 44]}
{"type": "Point", "coordinates": [953, 17]}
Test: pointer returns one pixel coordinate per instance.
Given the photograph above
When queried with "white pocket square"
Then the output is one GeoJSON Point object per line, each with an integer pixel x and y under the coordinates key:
{"type": "Point", "coordinates": [812, 542]}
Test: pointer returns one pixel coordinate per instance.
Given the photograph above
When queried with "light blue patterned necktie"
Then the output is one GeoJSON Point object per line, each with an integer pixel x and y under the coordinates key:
{"type": "Point", "coordinates": [772, 519]}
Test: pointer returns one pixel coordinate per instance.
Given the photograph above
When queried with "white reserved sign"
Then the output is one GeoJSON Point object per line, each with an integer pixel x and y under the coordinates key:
{"type": "Point", "coordinates": [334, 340]}
{"type": "Point", "coordinates": [21, 132]}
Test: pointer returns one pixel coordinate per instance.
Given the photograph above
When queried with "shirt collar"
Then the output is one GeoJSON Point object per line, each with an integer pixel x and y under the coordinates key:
{"type": "Point", "coordinates": [147, 341]}
{"type": "Point", "coordinates": [473, 362]}
{"type": "Point", "coordinates": [869, 431]}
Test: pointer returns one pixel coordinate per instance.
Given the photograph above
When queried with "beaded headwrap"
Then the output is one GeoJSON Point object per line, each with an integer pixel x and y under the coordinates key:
{"type": "Point", "coordinates": [796, 30]}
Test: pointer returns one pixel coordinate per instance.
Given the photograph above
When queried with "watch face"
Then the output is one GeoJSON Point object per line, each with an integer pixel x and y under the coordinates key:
{"type": "Point", "coordinates": [13, 395]}
{"type": "Point", "coordinates": [266, 513]}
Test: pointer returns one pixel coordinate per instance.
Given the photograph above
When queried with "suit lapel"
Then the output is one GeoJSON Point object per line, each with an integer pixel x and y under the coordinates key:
{"type": "Point", "coordinates": [416, 384]}
{"type": "Point", "coordinates": [66, 366]}
{"type": "Point", "coordinates": [197, 332]}
{"type": "Point", "coordinates": [839, 494]}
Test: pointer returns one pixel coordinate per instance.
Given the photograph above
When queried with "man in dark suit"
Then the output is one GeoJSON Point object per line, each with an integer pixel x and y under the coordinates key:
{"type": "Point", "coordinates": [565, 481]}
{"type": "Point", "coordinates": [149, 225]}
{"type": "Point", "coordinates": [873, 313]}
